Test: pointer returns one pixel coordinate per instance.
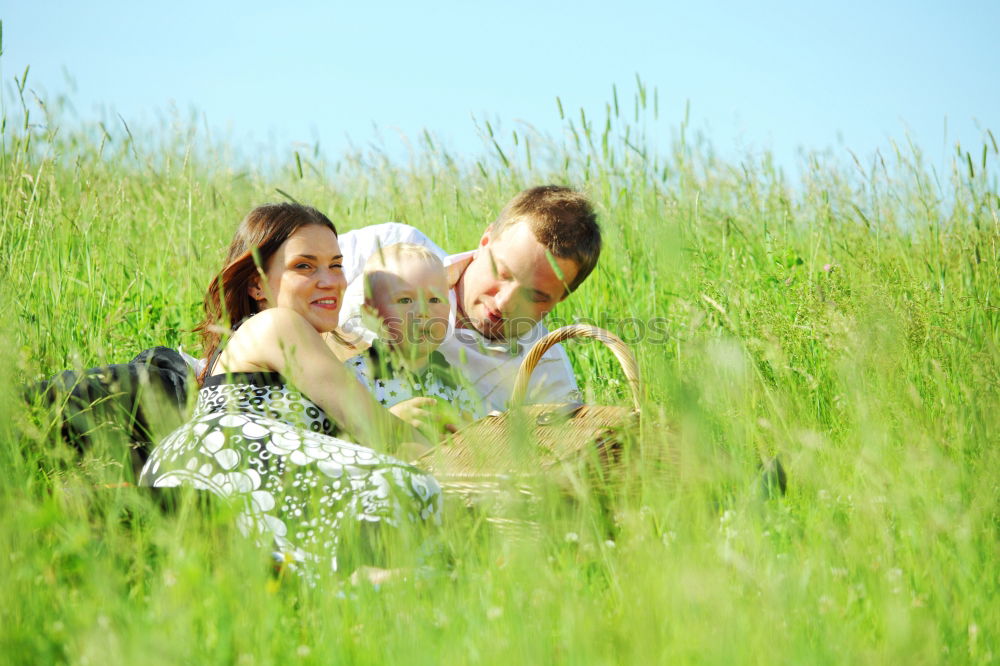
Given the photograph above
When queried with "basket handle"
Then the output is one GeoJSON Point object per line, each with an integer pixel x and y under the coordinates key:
{"type": "Point", "coordinates": [619, 348]}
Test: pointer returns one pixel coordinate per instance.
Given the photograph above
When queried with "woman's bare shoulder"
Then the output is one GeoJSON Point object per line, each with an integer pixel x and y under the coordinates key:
{"type": "Point", "coordinates": [260, 341]}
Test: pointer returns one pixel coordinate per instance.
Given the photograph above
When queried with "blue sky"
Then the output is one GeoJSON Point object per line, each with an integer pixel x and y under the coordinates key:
{"type": "Point", "coordinates": [776, 75]}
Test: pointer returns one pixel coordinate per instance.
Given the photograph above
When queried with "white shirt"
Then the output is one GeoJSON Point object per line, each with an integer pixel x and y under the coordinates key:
{"type": "Point", "coordinates": [490, 365]}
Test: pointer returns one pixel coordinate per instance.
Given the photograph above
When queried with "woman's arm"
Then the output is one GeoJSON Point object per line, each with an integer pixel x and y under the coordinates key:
{"type": "Point", "coordinates": [281, 340]}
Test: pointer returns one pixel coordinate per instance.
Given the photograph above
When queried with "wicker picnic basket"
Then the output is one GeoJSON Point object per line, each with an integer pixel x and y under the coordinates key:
{"type": "Point", "coordinates": [506, 453]}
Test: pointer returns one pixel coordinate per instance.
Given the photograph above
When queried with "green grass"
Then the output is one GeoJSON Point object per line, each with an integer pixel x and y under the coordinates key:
{"type": "Point", "coordinates": [847, 321]}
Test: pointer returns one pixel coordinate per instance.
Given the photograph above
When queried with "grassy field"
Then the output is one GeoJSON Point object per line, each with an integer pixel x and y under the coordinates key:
{"type": "Point", "coordinates": [846, 320]}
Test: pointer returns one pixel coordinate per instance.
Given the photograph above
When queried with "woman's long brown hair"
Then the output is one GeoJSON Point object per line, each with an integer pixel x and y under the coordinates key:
{"type": "Point", "coordinates": [260, 234]}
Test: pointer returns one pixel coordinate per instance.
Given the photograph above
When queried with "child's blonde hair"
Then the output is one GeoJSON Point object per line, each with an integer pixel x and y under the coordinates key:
{"type": "Point", "coordinates": [389, 258]}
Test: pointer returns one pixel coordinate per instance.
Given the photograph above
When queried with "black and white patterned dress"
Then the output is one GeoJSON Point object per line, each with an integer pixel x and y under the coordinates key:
{"type": "Point", "coordinates": [256, 439]}
{"type": "Point", "coordinates": [389, 384]}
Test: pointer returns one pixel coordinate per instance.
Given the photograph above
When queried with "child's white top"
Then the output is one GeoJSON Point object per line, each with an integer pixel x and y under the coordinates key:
{"type": "Point", "coordinates": [390, 385]}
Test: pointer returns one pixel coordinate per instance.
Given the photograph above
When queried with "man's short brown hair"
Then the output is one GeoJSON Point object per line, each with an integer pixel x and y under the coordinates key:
{"type": "Point", "coordinates": [563, 220]}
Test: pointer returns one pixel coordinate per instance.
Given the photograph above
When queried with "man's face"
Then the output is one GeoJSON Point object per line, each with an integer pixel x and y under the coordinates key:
{"type": "Point", "coordinates": [510, 284]}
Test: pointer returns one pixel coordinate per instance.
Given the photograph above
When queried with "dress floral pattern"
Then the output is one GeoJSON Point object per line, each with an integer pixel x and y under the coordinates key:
{"type": "Point", "coordinates": [254, 438]}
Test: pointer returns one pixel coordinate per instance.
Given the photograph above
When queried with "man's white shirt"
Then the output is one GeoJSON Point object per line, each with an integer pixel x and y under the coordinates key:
{"type": "Point", "coordinates": [490, 366]}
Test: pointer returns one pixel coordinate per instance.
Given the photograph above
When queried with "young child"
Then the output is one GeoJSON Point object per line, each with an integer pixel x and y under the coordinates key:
{"type": "Point", "coordinates": [406, 293]}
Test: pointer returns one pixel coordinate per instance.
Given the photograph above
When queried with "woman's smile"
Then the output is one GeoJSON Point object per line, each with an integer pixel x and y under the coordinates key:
{"type": "Point", "coordinates": [327, 303]}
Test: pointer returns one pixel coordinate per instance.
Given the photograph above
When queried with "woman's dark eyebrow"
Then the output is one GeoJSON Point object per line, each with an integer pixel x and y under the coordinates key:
{"type": "Point", "coordinates": [315, 258]}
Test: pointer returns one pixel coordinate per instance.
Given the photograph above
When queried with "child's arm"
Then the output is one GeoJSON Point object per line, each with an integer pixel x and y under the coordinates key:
{"type": "Point", "coordinates": [414, 411]}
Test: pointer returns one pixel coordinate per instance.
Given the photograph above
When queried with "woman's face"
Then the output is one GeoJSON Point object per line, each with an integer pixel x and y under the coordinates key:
{"type": "Point", "coordinates": [306, 274]}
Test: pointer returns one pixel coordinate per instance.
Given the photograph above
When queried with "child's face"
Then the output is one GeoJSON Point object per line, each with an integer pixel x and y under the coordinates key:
{"type": "Point", "coordinates": [411, 299]}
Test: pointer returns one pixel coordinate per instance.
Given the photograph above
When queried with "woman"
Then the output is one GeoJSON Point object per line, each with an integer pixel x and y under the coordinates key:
{"type": "Point", "coordinates": [276, 399]}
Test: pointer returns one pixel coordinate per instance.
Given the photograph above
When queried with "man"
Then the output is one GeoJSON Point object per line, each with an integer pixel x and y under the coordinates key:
{"type": "Point", "coordinates": [543, 245]}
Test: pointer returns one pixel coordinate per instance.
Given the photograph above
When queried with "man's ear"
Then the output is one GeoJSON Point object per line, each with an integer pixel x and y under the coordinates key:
{"type": "Point", "coordinates": [487, 236]}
